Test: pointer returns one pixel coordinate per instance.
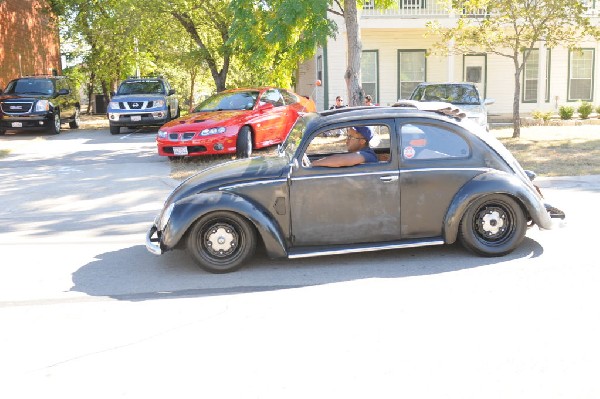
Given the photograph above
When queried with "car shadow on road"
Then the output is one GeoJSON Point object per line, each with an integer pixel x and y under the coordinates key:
{"type": "Point", "coordinates": [132, 274]}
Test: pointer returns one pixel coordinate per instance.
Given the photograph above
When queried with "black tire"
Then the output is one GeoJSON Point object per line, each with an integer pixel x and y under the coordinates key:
{"type": "Point", "coordinates": [493, 225]}
{"type": "Point", "coordinates": [244, 143]}
{"type": "Point", "coordinates": [221, 242]}
{"type": "Point", "coordinates": [115, 129]}
{"type": "Point", "coordinates": [2, 132]}
{"type": "Point", "coordinates": [55, 128]}
{"type": "Point", "coordinates": [75, 123]}
{"type": "Point", "coordinates": [178, 113]}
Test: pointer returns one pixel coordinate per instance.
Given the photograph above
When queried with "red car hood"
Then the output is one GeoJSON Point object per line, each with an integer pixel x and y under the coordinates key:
{"type": "Point", "coordinates": [203, 120]}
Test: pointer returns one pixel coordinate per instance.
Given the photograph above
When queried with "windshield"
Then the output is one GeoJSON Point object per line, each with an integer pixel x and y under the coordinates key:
{"type": "Point", "coordinates": [30, 86]}
{"type": "Point", "coordinates": [458, 94]}
{"type": "Point", "coordinates": [229, 101]}
{"type": "Point", "coordinates": [141, 87]}
{"type": "Point", "coordinates": [292, 141]}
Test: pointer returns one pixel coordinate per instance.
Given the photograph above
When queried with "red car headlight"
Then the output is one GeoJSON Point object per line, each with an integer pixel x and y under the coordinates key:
{"type": "Point", "coordinates": [212, 130]}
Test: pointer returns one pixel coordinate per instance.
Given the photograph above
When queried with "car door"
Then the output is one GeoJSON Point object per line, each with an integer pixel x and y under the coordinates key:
{"type": "Point", "coordinates": [347, 205]}
{"type": "Point", "coordinates": [436, 161]}
{"type": "Point", "coordinates": [271, 122]}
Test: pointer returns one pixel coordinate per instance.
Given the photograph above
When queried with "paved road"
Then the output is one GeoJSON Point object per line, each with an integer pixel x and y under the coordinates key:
{"type": "Point", "coordinates": [85, 311]}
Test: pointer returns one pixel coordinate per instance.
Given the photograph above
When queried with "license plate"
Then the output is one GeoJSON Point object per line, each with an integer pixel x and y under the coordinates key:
{"type": "Point", "coordinates": [17, 124]}
{"type": "Point", "coordinates": [136, 118]}
{"type": "Point", "coordinates": [180, 150]}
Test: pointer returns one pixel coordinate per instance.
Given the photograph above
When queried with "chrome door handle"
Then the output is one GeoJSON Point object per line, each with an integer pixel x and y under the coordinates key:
{"type": "Point", "coordinates": [388, 179]}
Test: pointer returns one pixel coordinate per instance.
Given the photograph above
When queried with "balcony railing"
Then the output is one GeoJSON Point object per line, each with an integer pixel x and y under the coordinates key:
{"type": "Point", "coordinates": [438, 9]}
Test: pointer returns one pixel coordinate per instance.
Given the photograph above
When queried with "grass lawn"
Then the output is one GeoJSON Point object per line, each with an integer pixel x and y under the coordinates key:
{"type": "Point", "coordinates": [555, 150]}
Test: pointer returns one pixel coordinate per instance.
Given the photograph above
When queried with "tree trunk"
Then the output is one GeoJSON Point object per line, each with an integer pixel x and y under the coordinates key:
{"type": "Point", "coordinates": [352, 75]}
{"type": "Point", "coordinates": [220, 77]}
{"type": "Point", "coordinates": [516, 97]}
{"type": "Point", "coordinates": [106, 92]}
{"type": "Point", "coordinates": [90, 91]}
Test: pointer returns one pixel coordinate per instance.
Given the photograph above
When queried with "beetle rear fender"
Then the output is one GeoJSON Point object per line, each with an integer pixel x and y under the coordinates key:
{"type": "Point", "coordinates": [188, 210]}
{"type": "Point", "coordinates": [495, 182]}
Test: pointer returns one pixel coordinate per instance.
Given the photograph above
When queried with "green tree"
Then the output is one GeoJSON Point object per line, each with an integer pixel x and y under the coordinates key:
{"type": "Point", "coordinates": [512, 28]}
{"type": "Point", "coordinates": [97, 33]}
{"type": "Point", "coordinates": [280, 33]}
{"type": "Point", "coordinates": [274, 35]}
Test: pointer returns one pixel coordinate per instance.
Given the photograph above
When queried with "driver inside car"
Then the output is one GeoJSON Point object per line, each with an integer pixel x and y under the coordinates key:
{"type": "Point", "coordinates": [357, 144]}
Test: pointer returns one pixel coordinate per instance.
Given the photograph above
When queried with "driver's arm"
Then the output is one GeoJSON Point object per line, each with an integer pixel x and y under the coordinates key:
{"type": "Point", "coordinates": [339, 160]}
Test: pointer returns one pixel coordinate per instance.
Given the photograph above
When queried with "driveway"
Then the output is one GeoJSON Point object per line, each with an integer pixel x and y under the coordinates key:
{"type": "Point", "coordinates": [86, 311]}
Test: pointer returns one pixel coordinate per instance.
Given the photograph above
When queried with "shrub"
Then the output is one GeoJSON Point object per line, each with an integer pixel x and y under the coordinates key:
{"type": "Point", "coordinates": [566, 112]}
{"type": "Point", "coordinates": [598, 111]}
{"type": "Point", "coordinates": [542, 115]}
{"type": "Point", "coordinates": [585, 109]}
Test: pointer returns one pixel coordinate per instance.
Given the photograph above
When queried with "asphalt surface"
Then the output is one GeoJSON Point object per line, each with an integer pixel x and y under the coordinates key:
{"type": "Point", "coordinates": [86, 311]}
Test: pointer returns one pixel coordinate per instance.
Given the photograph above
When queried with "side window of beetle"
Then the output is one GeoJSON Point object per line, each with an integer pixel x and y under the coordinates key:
{"type": "Point", "coordinates": [424, 141]}
{"type": "Point", "coordinates": [334, 141]}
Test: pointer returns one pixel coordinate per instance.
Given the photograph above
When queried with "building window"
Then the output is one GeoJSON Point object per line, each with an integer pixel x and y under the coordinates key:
{"type": "Point", "coordinates": [413, 4]}
{"type": "Point", "coordinates": [369, 71]}
{"type": "Point", "coordinates": [411, 71]}
{"type": "Point", "coordinates": [369, 5]}
{"type": "Point", "coordinates": [530, 77]}
{"type": "Point", "coordinates": [581, 72]}
{"type": "Point", "coordinates": [320, 68]}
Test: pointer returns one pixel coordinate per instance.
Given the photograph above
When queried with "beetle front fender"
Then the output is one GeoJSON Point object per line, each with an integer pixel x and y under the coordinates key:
{"type": "Point", "coordinates": [189, 209]}
{"type": "Point", "coordinates": [494, 183]}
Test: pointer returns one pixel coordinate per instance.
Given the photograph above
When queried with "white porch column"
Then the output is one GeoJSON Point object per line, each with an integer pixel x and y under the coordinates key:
{"type": "Point", "coordinates": [541, 87]}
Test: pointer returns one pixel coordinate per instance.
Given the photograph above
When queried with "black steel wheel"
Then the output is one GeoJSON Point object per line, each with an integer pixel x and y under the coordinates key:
{"type": "Point", "coordinates": [115, 129]}
{"type": "Point", "coordinates": [221, 242]}
{"type": "Point", "coordinates": [55, 128]}
{"type": "Point", "coordinates": [493, 226]}
{"type": "Point", "coordinates": [244, 142]}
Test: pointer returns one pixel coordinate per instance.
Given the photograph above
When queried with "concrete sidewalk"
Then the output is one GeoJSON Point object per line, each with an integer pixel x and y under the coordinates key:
{"type": "Point", "coordinates": [590, 183]}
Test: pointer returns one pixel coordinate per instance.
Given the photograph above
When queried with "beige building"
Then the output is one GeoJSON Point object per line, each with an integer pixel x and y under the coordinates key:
{"type": "Point", "coordinates": [395, 59]}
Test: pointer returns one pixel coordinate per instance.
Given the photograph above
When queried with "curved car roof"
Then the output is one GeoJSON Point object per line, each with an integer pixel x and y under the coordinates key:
{"type": "Point", "coordinates": [346, 114]}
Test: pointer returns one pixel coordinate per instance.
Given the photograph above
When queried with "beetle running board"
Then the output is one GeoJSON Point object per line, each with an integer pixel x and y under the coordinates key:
{"type": "Point", "coordinates": [307, 252]}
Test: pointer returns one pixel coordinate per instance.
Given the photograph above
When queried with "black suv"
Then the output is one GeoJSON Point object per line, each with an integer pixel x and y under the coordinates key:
{"type": "Point", "coordinates": [38, 103]}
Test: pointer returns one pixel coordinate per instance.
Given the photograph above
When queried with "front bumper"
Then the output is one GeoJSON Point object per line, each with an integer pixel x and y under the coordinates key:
{"type": "Point", "coordinates": [30, 122]}
{"type": "Point", "coordinates": [155, 118]}
{"type": "Point", "coordinates": [153, 241]}
{"type": "Point", "coordinates": [554, 213]}
{"type": "Point", "coordinates": [206, 146]}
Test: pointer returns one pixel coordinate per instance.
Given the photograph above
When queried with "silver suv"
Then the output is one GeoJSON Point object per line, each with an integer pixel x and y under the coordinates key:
{"type": "Point", "coordinates": [464, 95]}
{"type": "Point", "coordinates": [142, 102]}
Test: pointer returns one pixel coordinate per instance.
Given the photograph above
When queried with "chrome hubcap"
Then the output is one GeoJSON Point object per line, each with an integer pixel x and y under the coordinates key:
{"type": "Point", "coordinates": [492, 223]}
{"type": "Point", "coordinates": [221, 240]}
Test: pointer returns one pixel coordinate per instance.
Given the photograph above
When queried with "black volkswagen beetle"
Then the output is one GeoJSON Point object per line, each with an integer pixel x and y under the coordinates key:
{"type": "Point", "coordinates": [439, 178]}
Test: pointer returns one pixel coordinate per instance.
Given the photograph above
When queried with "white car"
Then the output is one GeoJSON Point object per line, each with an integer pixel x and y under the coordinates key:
{"type": "Point", "coordinates": [463, 95]}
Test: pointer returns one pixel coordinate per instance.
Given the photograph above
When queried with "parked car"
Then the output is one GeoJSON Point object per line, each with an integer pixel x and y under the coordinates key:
{"type": "Point", "coordinates": [463, 95]}
{"type": "Point", "coordinates": [39, 103]}
{"type": "Point", "coordinates": [234, 122]}
{"type": "Point", "coordinates": [439, 179]}
{"type": "Point", "coordinates": [139, 102]}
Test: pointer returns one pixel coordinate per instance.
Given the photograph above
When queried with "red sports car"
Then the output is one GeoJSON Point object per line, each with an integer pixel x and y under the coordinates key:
{"type": "Point", "coordinates": [234, 122]}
